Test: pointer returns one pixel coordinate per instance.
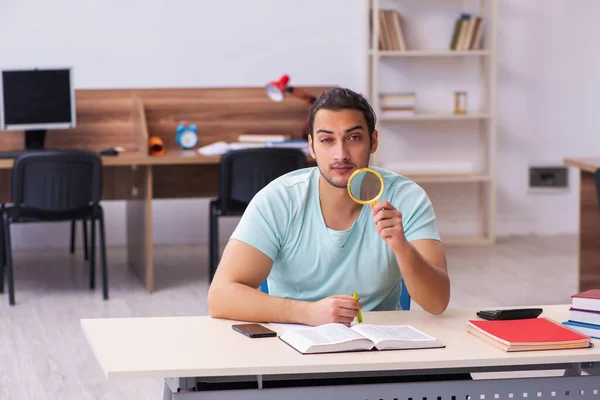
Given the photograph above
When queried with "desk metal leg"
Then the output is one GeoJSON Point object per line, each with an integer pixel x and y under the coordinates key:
{"type": "Point", "coordinates": [580, 387]}
{"type": "Point", "coordinates": [177, 385]}
{"type": "Point", "coordinates": [575, 370]}
{"type": "Point", "coordinates": [167, 392]}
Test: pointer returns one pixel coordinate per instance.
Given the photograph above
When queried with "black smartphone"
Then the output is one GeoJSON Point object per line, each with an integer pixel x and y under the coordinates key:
{"type": "Point", "coordinates": [254, 330]}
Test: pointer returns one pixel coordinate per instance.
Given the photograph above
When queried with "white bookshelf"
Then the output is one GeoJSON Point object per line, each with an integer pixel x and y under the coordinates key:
{"type": "Point", "coordinates": [478, 124]}
{"type": "Point", "coordinates": [435, 117]}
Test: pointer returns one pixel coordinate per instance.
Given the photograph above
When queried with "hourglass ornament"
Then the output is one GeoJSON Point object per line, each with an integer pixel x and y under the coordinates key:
{"type": "Point", "coordinates": [460, 102]}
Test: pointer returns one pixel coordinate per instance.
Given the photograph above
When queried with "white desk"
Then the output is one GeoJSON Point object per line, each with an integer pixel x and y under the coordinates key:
{"type": "Point", "coordinates": [206, 354]}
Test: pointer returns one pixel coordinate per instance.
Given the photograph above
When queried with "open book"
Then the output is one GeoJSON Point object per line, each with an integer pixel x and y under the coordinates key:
{"type": "Point", "coordinates": [331, 338]}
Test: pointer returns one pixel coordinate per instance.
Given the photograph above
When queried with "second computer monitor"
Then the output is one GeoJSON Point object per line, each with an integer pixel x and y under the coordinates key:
{"type": "Point", "coordinates": [36, 100]}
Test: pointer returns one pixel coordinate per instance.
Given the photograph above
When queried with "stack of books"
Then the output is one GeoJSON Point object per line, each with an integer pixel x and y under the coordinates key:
{"type": "Point", "coordinates": [467, 33]}
{"type": "Point", "coordinates": [397, 104]}
{"type": "Point", "coordinates": [528, 334]}
{"type": "Point", "coordinates": [585, 313]}
{"type": "Point", "coordinates": [391, 37]}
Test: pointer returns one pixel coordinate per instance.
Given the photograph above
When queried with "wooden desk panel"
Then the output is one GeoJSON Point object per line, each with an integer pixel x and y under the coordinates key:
{"type": "Point", "coordinates": [140, 254]}
{"type": "Point", "coordinates": [590, 164]}
{"type": "Point", "coordinates": [589, 223]}
{"type": "Point", "coordinates": [186, 181]}
{"type": "Point", "coordinates": [589, 233]}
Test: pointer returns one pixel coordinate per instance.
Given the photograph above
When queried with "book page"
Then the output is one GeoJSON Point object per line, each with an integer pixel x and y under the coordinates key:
{"type": "Point", "coordinates": [330, 334]}
{"type": "Point", "coordinates": [326, 338]}
{"type": "Point", "coordinates": [380, 333]}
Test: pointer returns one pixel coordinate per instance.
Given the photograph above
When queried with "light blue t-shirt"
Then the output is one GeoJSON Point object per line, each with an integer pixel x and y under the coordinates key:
{"type": "Point", "coordinates": [312, 262]}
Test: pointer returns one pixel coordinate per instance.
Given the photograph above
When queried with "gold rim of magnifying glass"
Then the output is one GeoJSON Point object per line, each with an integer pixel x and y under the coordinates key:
{"type": "Point", "coordinates": [365, 170]}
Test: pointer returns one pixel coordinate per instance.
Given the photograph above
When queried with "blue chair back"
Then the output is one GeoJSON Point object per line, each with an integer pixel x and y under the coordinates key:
{"type": "Point", "coordinates": [404, 295]}
{"type": "Point", "coordinates": [264, 287]}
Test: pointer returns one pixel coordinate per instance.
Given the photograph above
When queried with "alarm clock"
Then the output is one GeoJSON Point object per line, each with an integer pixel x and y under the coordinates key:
{"type": "Point", "coordinates": [187, 136]}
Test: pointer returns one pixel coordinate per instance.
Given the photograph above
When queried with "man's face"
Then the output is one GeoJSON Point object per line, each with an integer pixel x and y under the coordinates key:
{"type": "Point", "coordinates": [340, 144]}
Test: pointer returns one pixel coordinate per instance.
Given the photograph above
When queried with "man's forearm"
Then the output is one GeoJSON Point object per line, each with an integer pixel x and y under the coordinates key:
{"type": "Point", "coordinates": [240, 302]}
{"type": "Point", "coordinates": [427, 284]}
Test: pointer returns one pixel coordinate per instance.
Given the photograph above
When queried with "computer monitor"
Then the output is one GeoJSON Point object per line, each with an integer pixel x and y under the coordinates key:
{"type": "Point", "coordinates": [35, 100]}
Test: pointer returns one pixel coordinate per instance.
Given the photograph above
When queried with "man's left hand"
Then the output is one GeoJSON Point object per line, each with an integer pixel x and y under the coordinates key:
{"type": "Point", "coordinates": [388, 221]}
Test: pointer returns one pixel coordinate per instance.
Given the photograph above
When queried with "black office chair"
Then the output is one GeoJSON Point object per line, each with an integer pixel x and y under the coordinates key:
{"type": "Point", "coordinates": [242, 173]}
{"type": "Point", "coordinates": [85, 238]}
{"type": "Point", "coordinates": [56, 185]}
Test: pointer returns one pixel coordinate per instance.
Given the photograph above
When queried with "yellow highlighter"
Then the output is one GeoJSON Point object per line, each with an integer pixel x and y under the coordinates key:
{"type": "Point", "coordinates": [359, 316]}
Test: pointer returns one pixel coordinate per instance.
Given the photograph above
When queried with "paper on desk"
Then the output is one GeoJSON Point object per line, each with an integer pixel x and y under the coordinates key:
{"type": "Point", "coordinates": [218, 148]}
{"type": "Point", "coordinates": [214, 149]}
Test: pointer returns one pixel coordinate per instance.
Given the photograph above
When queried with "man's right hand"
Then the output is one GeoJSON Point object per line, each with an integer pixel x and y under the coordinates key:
{"type": "Point", "coordinates": [339, 308]}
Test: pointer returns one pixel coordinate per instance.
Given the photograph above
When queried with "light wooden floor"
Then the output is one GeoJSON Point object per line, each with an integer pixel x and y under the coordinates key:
{"type": "Point", "coordinates": [44, 355]}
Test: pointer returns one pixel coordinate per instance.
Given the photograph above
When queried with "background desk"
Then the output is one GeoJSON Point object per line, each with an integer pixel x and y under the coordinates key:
{"type": "Point", "coordinates": [589, 223]}
{"type": "Point", "coordinates": [210, 349]}
{"type": "Point", "coordinates": [129, 117]}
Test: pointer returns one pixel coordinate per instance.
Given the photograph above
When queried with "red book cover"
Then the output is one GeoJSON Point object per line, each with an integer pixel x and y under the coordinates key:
{"type": "Point", "coordinates": [588, 294]}
{"type": "Point", "coordinates": [532, 330]}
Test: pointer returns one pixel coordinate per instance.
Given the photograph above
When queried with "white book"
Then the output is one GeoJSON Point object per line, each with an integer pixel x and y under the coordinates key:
{"type": "Point", "coordinates": [333, 338]}
{"type": "Point", "coordinates": [586, 317]}
{"type": "Point", "coordinates": [258, 138]}
{"type": "Point", "coordinates": [398, 113]}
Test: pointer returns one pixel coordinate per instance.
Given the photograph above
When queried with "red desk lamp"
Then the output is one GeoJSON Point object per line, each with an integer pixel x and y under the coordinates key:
{"type": "Point", "coordinates": [276, 92]}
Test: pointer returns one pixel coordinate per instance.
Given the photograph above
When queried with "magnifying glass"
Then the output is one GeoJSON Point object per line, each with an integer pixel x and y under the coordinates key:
{"type": "Point", "coordinates": [365, 186]}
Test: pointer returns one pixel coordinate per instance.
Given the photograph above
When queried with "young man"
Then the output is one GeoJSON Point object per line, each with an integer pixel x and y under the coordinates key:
{"type": "Point", "coordinates": [317, 246]}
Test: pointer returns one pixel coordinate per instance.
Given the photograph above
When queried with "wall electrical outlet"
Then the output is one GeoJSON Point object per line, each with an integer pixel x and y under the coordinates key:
{"type": "Point", "coordinates": [548, 177]}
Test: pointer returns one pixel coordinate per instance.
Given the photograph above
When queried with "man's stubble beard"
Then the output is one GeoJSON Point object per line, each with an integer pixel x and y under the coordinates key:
{"type": "Point", "coordinates": [330, 179]}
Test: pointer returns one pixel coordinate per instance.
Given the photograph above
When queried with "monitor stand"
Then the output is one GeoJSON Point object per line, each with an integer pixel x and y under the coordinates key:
{"type": "Point", "coordinates": [34, 139]}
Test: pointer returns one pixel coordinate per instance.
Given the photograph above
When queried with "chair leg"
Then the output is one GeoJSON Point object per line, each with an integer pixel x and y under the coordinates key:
{"type": "Point", "coordinates": [213, 246]}
{"type": "Point", "coordinates": [93, 254]}
{"type": "Point", "coordinates": [9, 266]}
{"type": "Point", "coordinates": [85, 241]}
{"type": "Point", "coordinates": [103, 257]}
{"type": "Point", "coordinates": [72, 246]}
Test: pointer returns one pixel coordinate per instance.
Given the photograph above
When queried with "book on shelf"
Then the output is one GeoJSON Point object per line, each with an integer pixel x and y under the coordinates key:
{"type": "Point", "coordinates": [528, 334]}
{"type": "Point", "coordinates": [397, 104]}
{"type": "Point", "coordinates": [334, 338]}
{"type": "Point", "coordinates": [398, 99]}
{"type": "Point", "coordinates": [397, 112]}
{"type": "Point", "coordinates": [391, 36]}
{"type": "Point", "coordinates": [468, 33]}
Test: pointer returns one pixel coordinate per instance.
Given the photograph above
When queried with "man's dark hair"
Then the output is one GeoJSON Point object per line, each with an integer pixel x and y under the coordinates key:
{"type": "Point", "coordinates": [342, 99]}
